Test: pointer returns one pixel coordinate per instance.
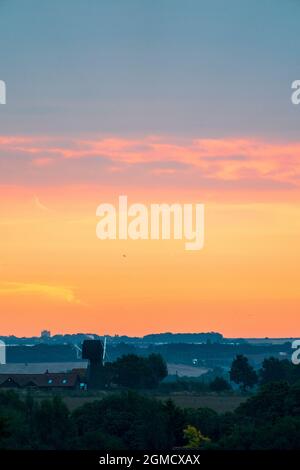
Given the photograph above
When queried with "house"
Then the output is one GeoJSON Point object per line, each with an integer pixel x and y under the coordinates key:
{"type": "Point", "coordinates": [62, 380]}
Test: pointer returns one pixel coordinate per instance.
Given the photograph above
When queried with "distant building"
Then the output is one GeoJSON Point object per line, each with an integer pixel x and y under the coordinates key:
{"type": "Point", "coordinates": [69, 380]}
{"type": "Point", "coordinates": [45, 334]}
{"type": "Point", "coordinates": [2, 353]}
{"type": "Point", "coordinates": [93, 351]}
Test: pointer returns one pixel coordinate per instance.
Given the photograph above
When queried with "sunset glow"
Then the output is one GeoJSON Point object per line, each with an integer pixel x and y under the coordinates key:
{"type": "Point", "coordinates": [165, 102]}
{"type": "Point", "coordinates": [55, 272]}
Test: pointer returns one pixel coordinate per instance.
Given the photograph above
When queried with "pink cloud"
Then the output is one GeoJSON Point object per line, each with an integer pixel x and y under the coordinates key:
{"type": "Point", "coordinates": [224, 159]}
{"type": "Point", "coordinates": [43, 161]}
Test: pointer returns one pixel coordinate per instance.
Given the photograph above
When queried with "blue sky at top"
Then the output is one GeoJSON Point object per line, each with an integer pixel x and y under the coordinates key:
{"type": "Point", "coordinates": [182, 67]}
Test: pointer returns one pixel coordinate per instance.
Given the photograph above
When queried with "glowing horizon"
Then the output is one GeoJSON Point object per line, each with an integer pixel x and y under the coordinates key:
{"type": "Point", "coordinates": [57, 275]}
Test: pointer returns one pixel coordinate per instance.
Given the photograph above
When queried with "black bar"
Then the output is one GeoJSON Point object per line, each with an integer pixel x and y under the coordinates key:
{"type": "Point", "coordinates": [145, 459]}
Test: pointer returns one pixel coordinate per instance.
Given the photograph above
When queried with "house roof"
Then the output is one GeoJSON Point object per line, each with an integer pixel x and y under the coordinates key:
{"type": "Point", "coordinates": [41, 367]}
{"type": "Point", "coordinates": [64, 380]}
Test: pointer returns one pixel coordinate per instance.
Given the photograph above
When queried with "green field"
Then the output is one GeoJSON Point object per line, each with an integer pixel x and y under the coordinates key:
{"type": "Point", "coordinates": [219, 403]}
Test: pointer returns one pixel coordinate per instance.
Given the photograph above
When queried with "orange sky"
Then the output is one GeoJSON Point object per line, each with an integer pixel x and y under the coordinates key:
{"type": "Point", "coordinates": [55, 273]}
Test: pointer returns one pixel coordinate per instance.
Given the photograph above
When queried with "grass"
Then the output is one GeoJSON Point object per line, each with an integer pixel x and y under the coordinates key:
{"type": "Point", "coordinates": [221, 403]}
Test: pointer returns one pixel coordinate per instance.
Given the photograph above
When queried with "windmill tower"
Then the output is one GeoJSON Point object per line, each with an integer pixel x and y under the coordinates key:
{"type": "Point", "coordinates": [93, 351]}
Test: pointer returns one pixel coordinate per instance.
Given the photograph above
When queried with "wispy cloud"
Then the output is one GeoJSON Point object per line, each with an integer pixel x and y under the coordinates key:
{"type": "Point", "coordinates": [53, 160]}
{"type": "Point", "coordinates": [39, 205]}
{"type": "Point", "coordinates": [55, 292]}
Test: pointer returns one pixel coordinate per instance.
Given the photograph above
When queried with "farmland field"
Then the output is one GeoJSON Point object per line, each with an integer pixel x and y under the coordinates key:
{"type": "Point", "coordinates": [219, 403]}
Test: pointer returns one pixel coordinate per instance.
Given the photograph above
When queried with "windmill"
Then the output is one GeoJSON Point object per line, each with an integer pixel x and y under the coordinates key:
{"type": "Point", "coordinates": [78, 351]}
{"type": "Point", "coordinates": [93, 351]}
{"type": "Point", "coordinates": [104, 351]}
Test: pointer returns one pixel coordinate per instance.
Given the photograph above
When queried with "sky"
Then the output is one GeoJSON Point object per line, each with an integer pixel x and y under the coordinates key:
{"type": "Point", "coordinates": [164, 101]}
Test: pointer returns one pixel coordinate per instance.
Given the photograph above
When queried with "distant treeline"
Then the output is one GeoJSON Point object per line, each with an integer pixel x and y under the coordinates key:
{"type": "Point", "coordinates": [136, 372]}
{"type": "Point", "coordinates": [78, 338]}
{"type": "Point", "coordinates": [184, 338]}
{"type": "Point", "coordinates": [206, 354]}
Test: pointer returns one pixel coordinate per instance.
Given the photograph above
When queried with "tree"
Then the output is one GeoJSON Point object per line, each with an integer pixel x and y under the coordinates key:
{"type": "Point", "coordinates": [219, 384]}
{"type": "Point", "coordinates": [131, 371]}
{"type": "Point", "coordinates": [175, 418]}
{"type": "Point", "coordinates": [52, 424]}
{"type": "Point", "coordinates": [268, 404]}
{"type": "Point", "coordinates": [158, 368]}
{"type": "Point", "coordinates": [4, 427]}
{"type": "Point", "coordinates": [242, 372]}
{"type": "Point", "coordinates": [205, 419]}
{"type": "Point", "coordinates": [139, 372]}
{"type": "Point", "coordinates": [274, 370]}
{"type": "Point", "coordinates": [136, 421]}
{"type": "Point", "coordinates": [194, 437]}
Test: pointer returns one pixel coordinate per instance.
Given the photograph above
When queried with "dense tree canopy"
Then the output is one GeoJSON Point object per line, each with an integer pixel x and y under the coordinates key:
{"type": "Point", "coordinates": [138, 372]}
{"type": "Point", "coordinates": [268, 419]}
{"type": "Point", "coordinates": [242, 372]}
